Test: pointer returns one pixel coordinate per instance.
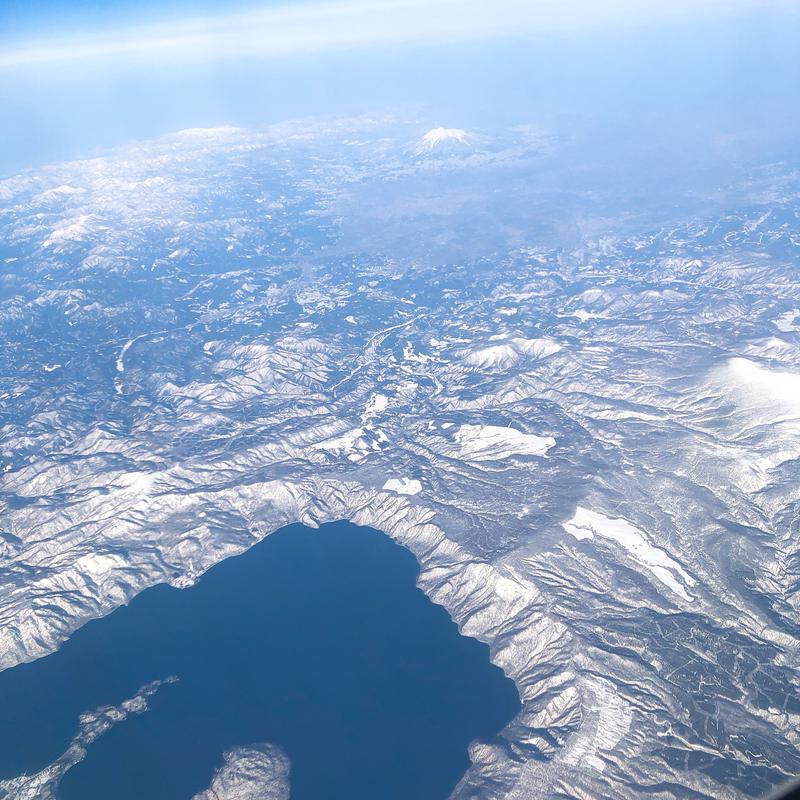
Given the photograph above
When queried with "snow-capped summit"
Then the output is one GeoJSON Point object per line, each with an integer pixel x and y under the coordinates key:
{"type": "Point", "coordinates": [438, 139]}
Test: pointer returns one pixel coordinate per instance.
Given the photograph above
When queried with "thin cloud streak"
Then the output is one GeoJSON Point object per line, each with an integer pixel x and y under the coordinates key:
{"type": "Point", "coordinates": [353, 24]}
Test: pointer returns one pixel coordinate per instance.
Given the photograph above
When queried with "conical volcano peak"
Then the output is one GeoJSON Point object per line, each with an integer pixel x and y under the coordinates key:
{"type": "Point", "coordinates": [438, 139]}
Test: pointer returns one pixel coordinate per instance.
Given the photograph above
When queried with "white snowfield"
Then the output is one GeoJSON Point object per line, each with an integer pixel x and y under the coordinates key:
{"type": "Point", "coordinates": [586, 524]}
{"type": "Point", "coordinates": [494, 442]}
{"type": "Point", "coordinates": [375, 405]}
{"type": "Point", "coordinates": [408, 486]}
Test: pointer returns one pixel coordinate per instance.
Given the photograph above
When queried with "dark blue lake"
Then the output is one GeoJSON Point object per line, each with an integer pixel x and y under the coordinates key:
{"type": "Point", "coordinates": [317, 641]}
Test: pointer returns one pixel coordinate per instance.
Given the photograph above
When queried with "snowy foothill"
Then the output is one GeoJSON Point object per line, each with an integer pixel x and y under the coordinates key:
{"type": "Point", "coordinates": [505, 355]}
{"type": "Point", "coordinates": [767, 396]}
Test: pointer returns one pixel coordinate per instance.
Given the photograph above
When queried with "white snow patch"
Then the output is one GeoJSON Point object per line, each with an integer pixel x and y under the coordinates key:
{"type": "Point", "coordinates": [376, 404]}
{"type": "Point", "coordinates": [410, 355]}
{"type": "Point", "coordinates": [121, 356]}
{"type": "Point", "coordinates": [126, 347]}
{"type": "Point", "coordinates": [788, 322]}
{"type": "Point", "coordinates": [493, 442]}
{"type": "Point", "coordinates": [584, 316]}
{"type": "Point", "coordinates": [407, 486]}
{"type": "Point", "coordinates": [586, 524]}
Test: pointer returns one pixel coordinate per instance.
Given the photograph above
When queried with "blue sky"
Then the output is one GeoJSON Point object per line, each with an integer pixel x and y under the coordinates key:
{"type": "Point", "coordinates": [80, 76]}
{"type": "Point", "coordinates": [50, 32]}
{"type": "Point", "coordinates": [27, 17]}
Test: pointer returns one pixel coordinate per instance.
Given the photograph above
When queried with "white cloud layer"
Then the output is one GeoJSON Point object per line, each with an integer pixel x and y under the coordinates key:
{"type": "Point", "coordinates": [349, 24]}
